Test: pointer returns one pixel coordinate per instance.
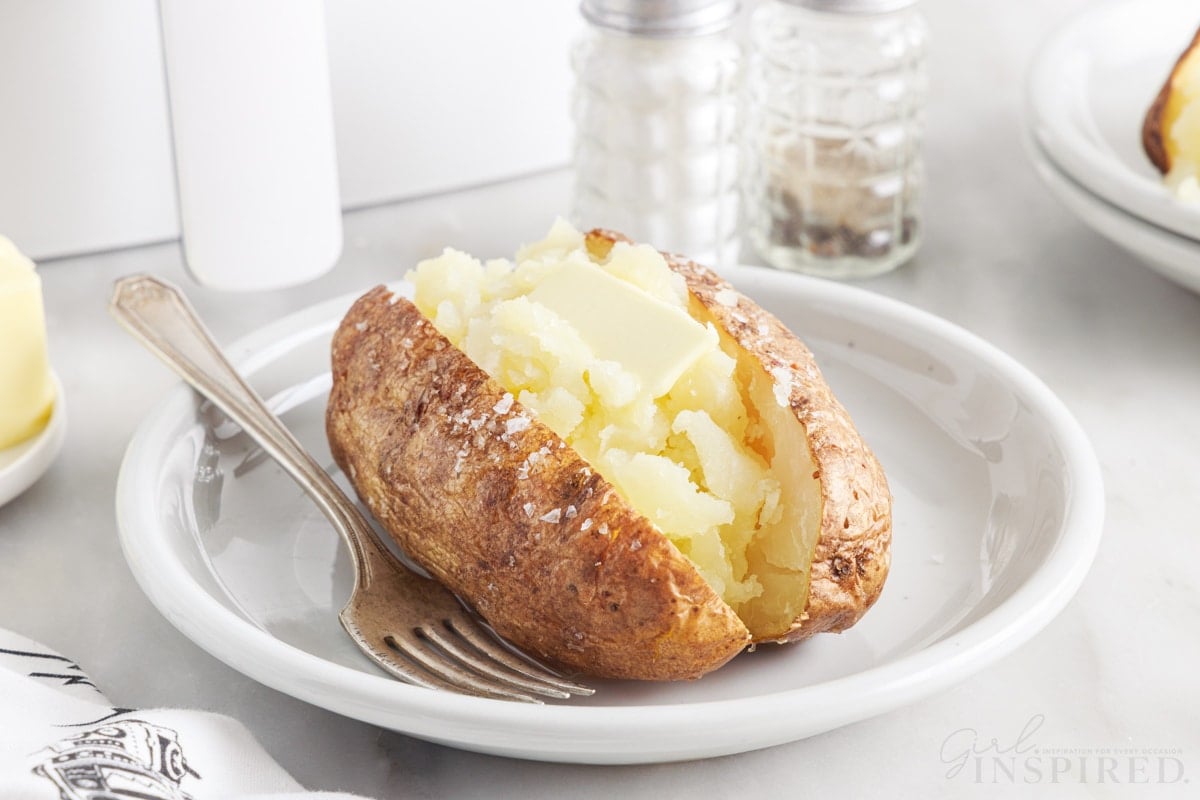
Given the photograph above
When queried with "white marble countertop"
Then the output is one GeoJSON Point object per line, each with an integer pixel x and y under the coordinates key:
{"type": "Point", "coordinates": [1001, 258]}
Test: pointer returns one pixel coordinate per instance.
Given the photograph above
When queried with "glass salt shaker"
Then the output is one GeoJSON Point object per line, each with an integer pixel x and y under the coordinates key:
{"type": "Point", "coordinates": [832, 168]}
{"type": "Point", "coordinates": [655, 110]}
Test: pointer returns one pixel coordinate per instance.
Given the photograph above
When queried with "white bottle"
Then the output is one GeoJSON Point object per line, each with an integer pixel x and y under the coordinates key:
{"type": "Point", "coordinates": [252, 124]}
{"type": "Point", "coordinates": [655, 111]}
{"type": "Point", "coordinates": [832, 169]}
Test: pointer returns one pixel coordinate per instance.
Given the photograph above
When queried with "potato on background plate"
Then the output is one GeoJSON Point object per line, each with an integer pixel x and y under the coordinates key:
{"type": "Point", "coordinates": [1171, 127]}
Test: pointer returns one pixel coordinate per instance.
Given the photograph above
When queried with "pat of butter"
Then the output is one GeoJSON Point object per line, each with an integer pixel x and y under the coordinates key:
{"type": "Point", "coordinates": [652, 340]}
{"type": "Point", "coordinates": [26, 388]}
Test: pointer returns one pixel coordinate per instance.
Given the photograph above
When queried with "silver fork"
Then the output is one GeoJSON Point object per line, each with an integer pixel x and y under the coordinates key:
{"type": "Point", "coordinates": [411, 626]}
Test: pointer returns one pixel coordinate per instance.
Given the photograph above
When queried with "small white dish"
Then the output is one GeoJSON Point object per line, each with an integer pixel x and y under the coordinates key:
{"type": "Point", "coordinates": [998, 514]}
{"type": "Point", "coordinates": [1089, 88]}
{"type": "Point", "coordinates": [22, 464]}
{"type": "Point", "coordinates": [1169, 254]}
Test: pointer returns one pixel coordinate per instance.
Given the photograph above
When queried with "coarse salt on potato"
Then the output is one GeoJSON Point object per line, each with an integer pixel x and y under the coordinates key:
{"type": "Point", "coordinates": [683, 458]}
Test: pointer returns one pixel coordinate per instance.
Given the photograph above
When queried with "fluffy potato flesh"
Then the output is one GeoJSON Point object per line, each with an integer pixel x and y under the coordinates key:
{"type": "Point", "coordinates": [689, 428]}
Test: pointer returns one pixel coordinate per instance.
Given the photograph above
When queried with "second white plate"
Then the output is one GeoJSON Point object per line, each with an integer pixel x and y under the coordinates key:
{"type": "Point", "coordinates": [1089, 88]}
{"type": "Point", "coordinates": [1169, 254]}
{"type": "Point", "coordinates": [998, 512]}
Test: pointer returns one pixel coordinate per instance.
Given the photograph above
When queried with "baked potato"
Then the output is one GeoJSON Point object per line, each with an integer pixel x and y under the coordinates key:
{"type": "Point", "coordinates": [1171, 127]}
{"type": "Point", "coordinates": [627, 467]}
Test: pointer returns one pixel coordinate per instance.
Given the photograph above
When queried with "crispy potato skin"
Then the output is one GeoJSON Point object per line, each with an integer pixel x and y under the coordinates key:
{"type": "Point", "coordinates": [853, 553]}
{"type": "Point", "coordinates": [430, 443]}
{"type": "Point", "coordinates": [556, 561]}
{"type": "Point", "coordinates": [854, 549]}
{"type": "Point", "coordinates": [1152, 126]}
{"type": "Point", "coordinates": [1152, 132]}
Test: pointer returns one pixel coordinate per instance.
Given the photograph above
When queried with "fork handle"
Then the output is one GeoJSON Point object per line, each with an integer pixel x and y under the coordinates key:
{"type": "Point", "coordinates": [158, 314]}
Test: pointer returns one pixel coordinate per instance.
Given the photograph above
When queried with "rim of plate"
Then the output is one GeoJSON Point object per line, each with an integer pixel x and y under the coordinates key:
{"type": "Point", "coordinates": [38, 452]}
{"type": "Point", "coordinates": [1172, 256]}
{"type": "Point", "coordinates": [1081, 154]}
{"type": "Point", "coordinates": [603, 734]}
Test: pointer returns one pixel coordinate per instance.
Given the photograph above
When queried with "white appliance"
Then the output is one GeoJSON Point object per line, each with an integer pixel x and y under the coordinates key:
{"type": "Point", "coordinates": [426, 97]}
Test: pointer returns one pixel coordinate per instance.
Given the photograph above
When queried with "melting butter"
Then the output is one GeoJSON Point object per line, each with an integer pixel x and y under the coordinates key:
{"type": "Point", "coordinates": [654, 341]}
{"type": "Point", "coordinates": [26, 388]}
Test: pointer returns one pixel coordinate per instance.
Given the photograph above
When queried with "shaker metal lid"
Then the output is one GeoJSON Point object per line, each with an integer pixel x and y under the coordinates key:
{"type": "Point", "coordinates": [853, 6]}
{"type": "Point", "coordinates": [661, 17]}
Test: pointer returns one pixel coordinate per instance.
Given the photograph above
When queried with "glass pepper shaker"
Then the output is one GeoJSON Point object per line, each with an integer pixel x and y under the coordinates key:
{"type": "Point", "coordinates": [832, 168]}
{"type": "Point", "coordinates": [655, 110]}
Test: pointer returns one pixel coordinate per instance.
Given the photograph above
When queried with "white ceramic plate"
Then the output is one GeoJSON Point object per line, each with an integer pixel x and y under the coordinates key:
{"type": "Point", "coordinates": [1169, 254]}
{"type": "Point", "coordinates": [998, 512]}
{"type": "Point", "coordinates": [1089, 88]}
{"type": "Point", "coordinates": [22, 464]}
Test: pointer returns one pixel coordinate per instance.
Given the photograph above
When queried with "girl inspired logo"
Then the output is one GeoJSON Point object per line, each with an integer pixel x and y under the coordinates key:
{"type": "Point", "coordinates": [1022, 760]}
{"type": "Point", "coordinates": [125, 758]}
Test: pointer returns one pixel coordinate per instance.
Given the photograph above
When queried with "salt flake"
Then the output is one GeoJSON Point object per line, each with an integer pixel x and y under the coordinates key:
{"type": "Point", "coordinates": [727, 298]}
{"type": "Point", "coordinates": [783, 385]}
{"type": "Point", "coordinates": [504, 404]}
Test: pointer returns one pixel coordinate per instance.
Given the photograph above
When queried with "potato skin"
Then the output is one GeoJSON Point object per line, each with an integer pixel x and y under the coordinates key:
{"type": "Point", "coordinates": [543, 548]}
{"type": "Point", "coordinates": [1152, 125]}
{"type": "Point", "coordinates": [1152, 131]}
{"type": "Point", "coordinates": [853, 553]}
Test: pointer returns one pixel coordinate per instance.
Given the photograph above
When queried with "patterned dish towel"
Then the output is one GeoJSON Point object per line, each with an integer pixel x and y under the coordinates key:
{"type": "Point", "coordinates": [60, 739]}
